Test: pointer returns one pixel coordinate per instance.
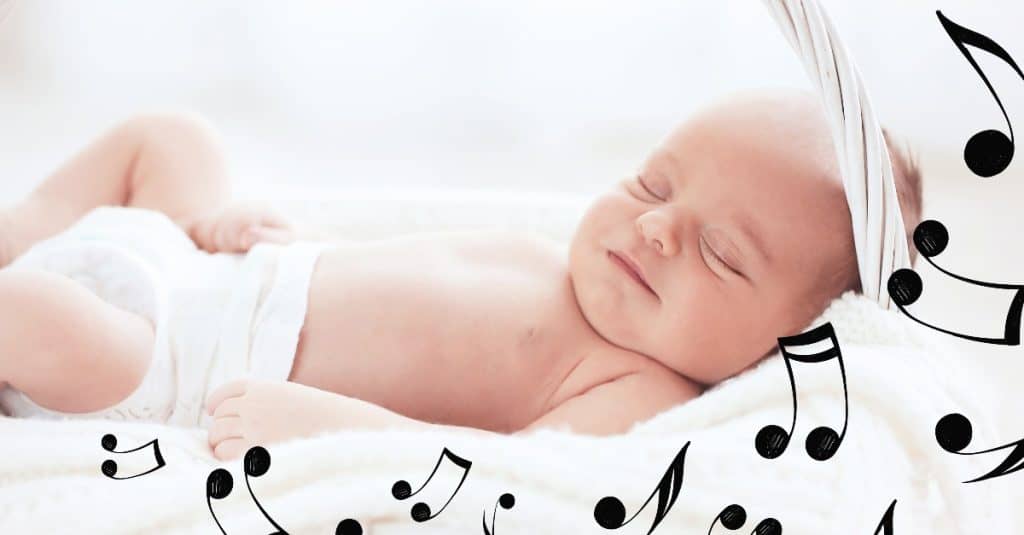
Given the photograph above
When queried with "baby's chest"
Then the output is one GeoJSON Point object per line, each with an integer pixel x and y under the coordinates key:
{"type": "Point", "coordinates": [444, 299]}
{"type": "Point", "coordinates": [510, 299]}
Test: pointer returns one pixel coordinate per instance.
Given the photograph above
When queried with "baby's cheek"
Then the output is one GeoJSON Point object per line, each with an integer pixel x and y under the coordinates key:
{"type": "Point", "coordinates": [606, 209]}
{"type": "Point", "coordinates": [717, 336]}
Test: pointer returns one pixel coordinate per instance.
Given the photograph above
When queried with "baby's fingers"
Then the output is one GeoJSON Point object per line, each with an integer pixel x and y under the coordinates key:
{"type": "Point", "coordinates": [203, 234]}
{"type": "Point", "coordinates": [231, 389]}
{"type": "Point", "coordinates": [267, 235]}
{"type": "Point", "coordinates": [230, 449]}
{"type": "Point", "coordinates": [227, 238]}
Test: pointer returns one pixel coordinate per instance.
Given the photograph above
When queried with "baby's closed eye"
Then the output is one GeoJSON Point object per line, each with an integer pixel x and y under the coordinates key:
{"type": "Point", "coordinates": [722, 260]}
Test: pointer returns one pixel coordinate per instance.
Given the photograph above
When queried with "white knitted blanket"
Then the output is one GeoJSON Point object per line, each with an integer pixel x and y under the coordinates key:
{"type": "Point", "coordinates": [900, 382]}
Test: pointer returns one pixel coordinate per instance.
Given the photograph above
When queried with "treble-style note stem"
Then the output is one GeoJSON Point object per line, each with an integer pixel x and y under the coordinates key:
{"type": "Point", "coordinates": [886, 523]}
{"type": "Point", "coordinates": [280, 530]}
{"type": "Point", "coordinates": [961, 35]}
{"type": "Point", "coordinates": [988, 152]}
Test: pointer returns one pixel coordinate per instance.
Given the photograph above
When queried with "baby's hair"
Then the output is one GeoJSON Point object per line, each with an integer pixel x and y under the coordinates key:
{"type": "Point", "coordinates": [907, 175]}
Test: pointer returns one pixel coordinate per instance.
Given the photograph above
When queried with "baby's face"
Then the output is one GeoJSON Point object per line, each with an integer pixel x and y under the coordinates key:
{"type": "Point", "coordinates": [739, 224]}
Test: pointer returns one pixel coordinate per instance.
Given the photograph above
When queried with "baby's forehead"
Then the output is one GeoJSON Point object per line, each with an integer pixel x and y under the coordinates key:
{"type": "Point", "coordinates": [788, 114]}
{"type": "Point", "coordinates": [786, 133]}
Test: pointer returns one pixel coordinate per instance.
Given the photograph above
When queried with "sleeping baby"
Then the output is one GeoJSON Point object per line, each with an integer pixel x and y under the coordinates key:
{"type": "Point", "coordinates": [134, 289]}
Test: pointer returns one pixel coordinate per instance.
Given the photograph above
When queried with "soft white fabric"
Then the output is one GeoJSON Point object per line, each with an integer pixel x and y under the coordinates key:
{"type": "Point", "coordinates": [878, 230]}
{"type": "Point", "coordinates": [900, 380]}
{"type": "Point", "coordinates": [216, 316]}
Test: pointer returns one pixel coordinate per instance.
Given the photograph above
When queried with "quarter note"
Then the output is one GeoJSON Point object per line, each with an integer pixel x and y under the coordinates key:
{"type": "Point", "coordinates": [506, 501]}
{"type": "Point", "coordinates": [988, 152]}
{"type": "Point", "coordinates": [953, 432]}
{"type": "Point", "coordinates": [218, 486]}
{"type": "Point", "coordinates": [420, 511]}
{"type": "Point", "coordinates": [109, 467]}
{"type": "Point", "coordinates": [822, 442]}
{"type": "Point", "coordinates": [885, 526]}
{"type": "Point", "coordinates": [610, 513]}
{"type": "Point", "coordinates": [734, 516]}
{"type": "Point", "coordinates": [905, 287]}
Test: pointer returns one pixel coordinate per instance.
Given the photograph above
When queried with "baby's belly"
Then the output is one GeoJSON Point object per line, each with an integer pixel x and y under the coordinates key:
{"type": "Point", "coordinates": [440, 340]}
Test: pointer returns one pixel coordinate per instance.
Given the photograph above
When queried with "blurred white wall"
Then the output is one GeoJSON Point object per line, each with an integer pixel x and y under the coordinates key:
{"type": "Point", "coordinates": [506, 94]}
{"type": "Point", "coordinates": [510, 94]}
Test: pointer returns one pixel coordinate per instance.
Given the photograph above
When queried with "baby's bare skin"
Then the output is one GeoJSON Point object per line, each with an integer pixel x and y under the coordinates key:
{"type": "Point", "coordinates": [475, 329]}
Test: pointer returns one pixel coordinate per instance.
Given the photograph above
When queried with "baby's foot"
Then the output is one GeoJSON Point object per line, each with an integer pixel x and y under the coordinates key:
{"type": "Point", "coordinates": [249, 412]}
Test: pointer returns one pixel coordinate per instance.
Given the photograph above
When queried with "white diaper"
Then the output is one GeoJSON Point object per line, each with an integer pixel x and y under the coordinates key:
{"type": "Point", "coordinates": [217, 317]}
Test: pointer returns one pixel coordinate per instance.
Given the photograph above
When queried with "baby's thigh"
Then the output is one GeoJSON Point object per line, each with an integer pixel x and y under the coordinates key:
{"type": "Point", "coordinates": [64, 347]}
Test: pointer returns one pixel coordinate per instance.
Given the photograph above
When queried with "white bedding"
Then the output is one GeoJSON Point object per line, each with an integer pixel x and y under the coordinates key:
{"type": "Point", "coordinates": [901, 381]}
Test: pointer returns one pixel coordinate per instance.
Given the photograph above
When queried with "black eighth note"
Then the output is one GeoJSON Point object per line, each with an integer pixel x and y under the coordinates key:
{"type": "Point", "coordinates": [109, 467]}
{"type": "Point", "coordinates": [611, 514]}
{"type": "Point", "coordinates": [506, 501]}
{"type": "Point", "coordinates": [256, 462]}
{"type": "Point", "coordinates": [734, 516]}
{"type": "Point", "coordinates": [905, 287]}
{"type": "Point", "coordinates": [220, 483]}
{"type": "Point", "coordinates": [885, 526]}
{"type": "Point", "coordinates": [954, 432]}
{"type": "Point", "coordinates": [420, 511]}
{"type": "Point", "coordinates": [988, 152]}
{"type": "Point", "coordinates": [822, 442]}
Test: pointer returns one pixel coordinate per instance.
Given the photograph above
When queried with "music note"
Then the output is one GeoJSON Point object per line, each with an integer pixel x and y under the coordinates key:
{"type": "Point", "coordinates": [610, 513]}
{"type": "Point", "coordinates": [218, 486]}
{"type": "Point", "coordinates": [420, 511]}
{"type": "Point", "coordinates": [256, 463]}
{"type": "Point", "coordinates": [506, 501]}
{"type": "Point", "coordinates": [349, 526]}
{"type": "Point", "coordinates": [953, 432]}
{"type": "Point", "coordinates": [988, 152]}
{"type": "Point", "coordinates": [734, 516]}
{"type": "Point", "coordinates": [220, 483]}
{"type": "Point", "coordinates": [822, 442]}
{"type": "Point", "coordinates": [109, 467]}
{"type": "Point", "coordinates": [886, 522]}
{"type": "Point", "coordinates": [905, 287]}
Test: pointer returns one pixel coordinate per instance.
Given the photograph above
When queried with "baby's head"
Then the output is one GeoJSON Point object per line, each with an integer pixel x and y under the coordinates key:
{"type": "Point", "coordinates": [740, 226]}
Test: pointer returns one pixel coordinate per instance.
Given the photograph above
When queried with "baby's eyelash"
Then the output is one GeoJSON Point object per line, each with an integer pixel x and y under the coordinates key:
{"type": "Point", "coordinates": [644, 186]}
{"type": "Point", "coordinates": [704, 244]}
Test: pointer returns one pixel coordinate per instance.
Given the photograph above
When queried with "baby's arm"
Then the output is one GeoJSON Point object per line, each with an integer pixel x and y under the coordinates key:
{"type": "Point", "coordinates": [251, 412]}
{"type": "Point", "coordinates": [171, 162]}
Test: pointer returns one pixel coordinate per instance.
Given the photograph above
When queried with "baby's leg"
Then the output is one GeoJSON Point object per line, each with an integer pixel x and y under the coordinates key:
{"type": "Point", "coordinates": [64, 347]}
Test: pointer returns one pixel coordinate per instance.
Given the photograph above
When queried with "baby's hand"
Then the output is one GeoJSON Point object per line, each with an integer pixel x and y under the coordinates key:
{"type": "Point", "coordinates": [237, 227]}
{"type": "Point", "coordinates": [251, 412]}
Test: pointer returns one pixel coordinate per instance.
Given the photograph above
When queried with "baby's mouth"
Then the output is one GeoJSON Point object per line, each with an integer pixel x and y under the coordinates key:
{"type": "Point", "coordinates": [625, 265]}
